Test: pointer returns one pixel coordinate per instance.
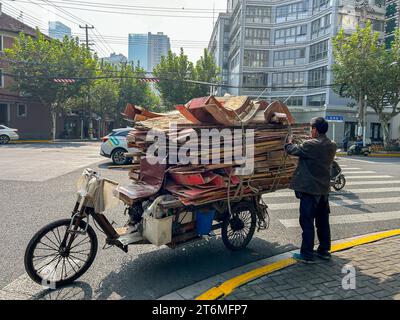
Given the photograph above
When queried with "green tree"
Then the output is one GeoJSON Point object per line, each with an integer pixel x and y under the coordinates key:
{"type": "Point", "coordinates": [171, 71]}
{"type": "Point", "coordinates": [206, 70]}
{"type": "Point", "coordinates": [364, 72]}
{"type": "Point", "coordinates": [38, 60]}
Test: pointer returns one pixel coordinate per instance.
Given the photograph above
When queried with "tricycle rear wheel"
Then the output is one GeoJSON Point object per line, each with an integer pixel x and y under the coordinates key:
{"type": "Point", "coordinates": [238, 229]}
{"type": "Point", "coordinates": [50, 263]}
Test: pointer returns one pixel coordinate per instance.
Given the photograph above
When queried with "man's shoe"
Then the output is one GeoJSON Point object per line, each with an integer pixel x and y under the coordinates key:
{"type": "Point", "coordinates": [324, 255]}
{"type": "Point", "coordinates": [300, 258]}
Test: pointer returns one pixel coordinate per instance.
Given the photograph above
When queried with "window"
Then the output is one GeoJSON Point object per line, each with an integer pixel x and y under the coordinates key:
{"type": "Point", "coordinates": [122, 134]}
{"type": "Point", "coordinates": [320, 26]}
{"type": "Point", "coordinates": [287, 79]}
{"type": "Point", "coordinates": [289, 57]}
{"type": "Point", "coordinates": [256, 58]}
{"type": "Point", "coordinates": [319, 51]}
{"type": "Point", "coordinates": [319, 5]}
{"type": "Point", "coordinates": [255, 80]}
{"type": "Point", "coordinates": [1, 43]}
{"type": "Point", "coordinates": [257, 36]}
{"type": "Point", "coordinates": [292, 11]}
{"type": "Point", "coordinates": [317, 77]}
{"type": "Point", "coordinates": [1, 79]}
{"type": "Point", "coordinates": [376, 129]}
{"type": "Point", "coordinates": [391, 10]}
{"type": "Point", "coordinates": [378, 25]}
{"type": "Point", "coordinates": [350, 130]}
{"type": "Point", "coordinates": [235, 61]}
{"type": "Point", "coordinates": [293, 101]}
{"type": "Point", "coordinates": [21, 111]}
{"type": "Point", "coordinates": [390, 26]}
{"type": "Point", "coordinates": [317, 100]}
{"type": "Point", "coordinates": [291, 35]}
{"type": "Point", "coordinates": [258, 14]}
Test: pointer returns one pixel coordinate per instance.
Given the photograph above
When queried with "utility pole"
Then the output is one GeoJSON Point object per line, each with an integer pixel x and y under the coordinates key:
{"type": "Point", "coordinates": [86, 27]}
{"type": "Point", "coordinates": [90, 131]}
{"type": "Point", "coordinates": [364, 7]}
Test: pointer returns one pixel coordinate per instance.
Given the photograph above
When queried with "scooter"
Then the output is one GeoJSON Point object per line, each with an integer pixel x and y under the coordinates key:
{"type": "Point", "coordinates": [357, 150]}
{"type": "Point", "coordinates": [338, 181]}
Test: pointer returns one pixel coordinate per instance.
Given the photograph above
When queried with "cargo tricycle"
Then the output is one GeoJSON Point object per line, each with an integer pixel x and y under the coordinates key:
{"type": "Point", "coordinates": [63, 251]}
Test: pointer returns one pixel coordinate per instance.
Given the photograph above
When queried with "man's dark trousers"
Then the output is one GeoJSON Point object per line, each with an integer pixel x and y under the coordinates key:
{"type": "Point", "coordinates": [314, 208]}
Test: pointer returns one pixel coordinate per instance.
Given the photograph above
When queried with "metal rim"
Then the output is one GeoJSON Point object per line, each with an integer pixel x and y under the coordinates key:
{"type": "Point", "coordinates": [239, 228]}
{"type": "Point", "coordinates": [4, 139]}
{"type": "Point", "coordinates": [119, 157]}
{"type": "Point", "coordinates": [340, 183]}
{"type": "Point", "coordinates": [52, 262]}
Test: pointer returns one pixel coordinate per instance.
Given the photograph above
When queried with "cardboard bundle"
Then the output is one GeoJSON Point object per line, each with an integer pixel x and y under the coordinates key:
{"type": "Point", "coordinates": [211, 174]}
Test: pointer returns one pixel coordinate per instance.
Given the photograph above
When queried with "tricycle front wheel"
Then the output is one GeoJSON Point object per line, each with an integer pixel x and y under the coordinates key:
{"type": "Point", "coordinates": [239, 227]}
{"type": "Point", "coordinates": [55, 257]}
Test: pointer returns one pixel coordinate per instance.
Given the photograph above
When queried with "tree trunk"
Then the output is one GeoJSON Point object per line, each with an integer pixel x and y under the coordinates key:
{"type": "Point", "coordinates": [54, 123]}
{"type": "Point", "coordinates": [385, 127]}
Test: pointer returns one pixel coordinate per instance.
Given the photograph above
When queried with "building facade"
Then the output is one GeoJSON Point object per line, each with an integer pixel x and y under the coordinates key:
{"type": "Point", "coordinates": [147, 49]}
{"type": "Point", "coordinates": [25, 113]}
{"type": "Point", "coordinates": [282, 50]}
{"type": "Point", "coordinates": [58, 30]}
{"type": "Point", "coordinates": [116, 59]}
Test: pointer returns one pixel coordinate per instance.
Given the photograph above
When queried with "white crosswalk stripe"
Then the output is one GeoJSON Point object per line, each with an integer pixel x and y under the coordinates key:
{"type": "Point", "coordinates": [339, 203]}
{"type": "Point", "coordinates": [350, 218]}
{"type": "Point", "coordinates": [364, 183]}
{"type": "Point", "coordinates": [338, 193]}
{"type": "Point", "coordinates": [359, 182]}
{"type": "Point", "coordinates": [368, 177]}
{"type": "Point", "coordinates": [358, 172]}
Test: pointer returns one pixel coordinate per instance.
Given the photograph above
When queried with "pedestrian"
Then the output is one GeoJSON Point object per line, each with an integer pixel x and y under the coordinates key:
{"type": "Point", "coordinates": [345, 143]}
{"type": "Point", "coordinates": [311, 183]}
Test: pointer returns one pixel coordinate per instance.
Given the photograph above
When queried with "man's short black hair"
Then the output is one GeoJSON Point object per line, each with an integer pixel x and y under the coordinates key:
{"type": "Point", "coordinates": [320, 124]}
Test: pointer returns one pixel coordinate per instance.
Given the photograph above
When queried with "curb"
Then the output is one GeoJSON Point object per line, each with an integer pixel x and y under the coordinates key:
{"type": "Point", "coordinates": [224, 284]}
{"type": "Point", "coordinates": [30, 141]}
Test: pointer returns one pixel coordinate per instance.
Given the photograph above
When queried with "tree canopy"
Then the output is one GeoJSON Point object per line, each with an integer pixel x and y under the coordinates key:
{"type": "Point", "coordinates": [365, 69]}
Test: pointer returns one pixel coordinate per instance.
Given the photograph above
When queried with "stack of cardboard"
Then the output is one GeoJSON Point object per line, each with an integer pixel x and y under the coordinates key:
{"type": "Point", "coordinates": [197, 183]}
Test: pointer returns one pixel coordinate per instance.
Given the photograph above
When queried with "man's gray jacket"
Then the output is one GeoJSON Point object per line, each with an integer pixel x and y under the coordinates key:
{"type": "Point", "coordinates": [312, 175]}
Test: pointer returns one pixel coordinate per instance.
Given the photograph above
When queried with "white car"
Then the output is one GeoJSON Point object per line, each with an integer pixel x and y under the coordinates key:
{"type": "Point", "coordinates": [7, 134]}
{"type": "Point", "coordinates": [115, 146]}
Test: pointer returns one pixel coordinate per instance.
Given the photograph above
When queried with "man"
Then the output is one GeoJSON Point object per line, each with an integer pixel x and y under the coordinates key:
{"type": "Point", "coordinates": [311, 183]}
{"type": "Point", "coordinates": [345, 143]}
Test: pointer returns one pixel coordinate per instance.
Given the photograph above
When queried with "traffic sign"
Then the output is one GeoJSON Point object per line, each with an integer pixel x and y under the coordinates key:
{"type": "Point", "coordinates": [335, 118]}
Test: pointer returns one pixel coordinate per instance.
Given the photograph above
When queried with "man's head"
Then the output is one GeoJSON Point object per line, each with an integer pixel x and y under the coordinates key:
{"type": "Point", "coordinates": [318, 126]}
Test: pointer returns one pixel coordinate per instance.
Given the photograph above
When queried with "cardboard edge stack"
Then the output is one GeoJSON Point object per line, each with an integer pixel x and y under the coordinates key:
{"type": "Point", "coordinates": [198, 184]}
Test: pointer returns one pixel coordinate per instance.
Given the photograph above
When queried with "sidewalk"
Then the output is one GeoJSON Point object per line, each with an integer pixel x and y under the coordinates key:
{"type": "Point", "coordinates": [377, 267]}
{"type": "Point", "coordinates": [373, 258]}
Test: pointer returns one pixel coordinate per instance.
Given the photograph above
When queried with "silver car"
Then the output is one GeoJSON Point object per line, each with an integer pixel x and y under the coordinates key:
{"type": "Point", "coordinates": [7, 134]}
{"type": "Point", "coordinates": [115, 146]}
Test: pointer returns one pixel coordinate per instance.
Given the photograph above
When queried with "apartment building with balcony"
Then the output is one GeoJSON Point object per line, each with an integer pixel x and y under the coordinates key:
{"type": "Point", "coordinates": [282, 50]}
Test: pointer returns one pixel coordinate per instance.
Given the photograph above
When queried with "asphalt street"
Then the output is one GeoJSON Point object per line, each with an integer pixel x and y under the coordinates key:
{"type": "Point", "coordinates": [37, 184]}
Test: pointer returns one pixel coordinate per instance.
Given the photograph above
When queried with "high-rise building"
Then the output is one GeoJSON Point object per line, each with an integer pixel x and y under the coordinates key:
{"type": "Point", "coordinates": [279, 51]}
{"type": "Point", "coordinates": [392, 20]}
{"type": "Point", "coordinates": [115, 59]}
{"type": "Point", "coordinates": [58, 30]}
{"type": "Point", "coordinates": [147, 49]}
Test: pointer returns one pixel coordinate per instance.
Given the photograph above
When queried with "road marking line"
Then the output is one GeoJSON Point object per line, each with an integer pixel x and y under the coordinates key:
{"type": "Point", "coordinates": [229, 286]}
{"type": "Point", "coordinates": [348, 191]}
{"type": "Point", "coordinates": [368, 177]}
{"type": "Point", "coordinates": [350, 218]}
{"type": "Point", "coordinates": [362, 183]}
{"type": "Point", "coordinates": [352, 169]}
{"type": "Point", "coordinates": [338, 203]}
{"type": "Point", "coordinates": [358, 172]}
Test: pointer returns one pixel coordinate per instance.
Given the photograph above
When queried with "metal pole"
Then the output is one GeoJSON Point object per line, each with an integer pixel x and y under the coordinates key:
{"type": "Point", "coordinates": [365, 121]}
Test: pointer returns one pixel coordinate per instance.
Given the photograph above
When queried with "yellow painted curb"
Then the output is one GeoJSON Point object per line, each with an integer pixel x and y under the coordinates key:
{"type": "Point", "coordinates": [229, 286]}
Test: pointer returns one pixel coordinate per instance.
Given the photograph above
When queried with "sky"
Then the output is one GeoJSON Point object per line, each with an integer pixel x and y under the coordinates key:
{"type": "Point", "coordinates": [189, 23]}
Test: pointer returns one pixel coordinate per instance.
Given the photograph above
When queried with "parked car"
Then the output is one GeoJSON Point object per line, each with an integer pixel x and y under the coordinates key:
{"type": "Point", "coordinates": [7, 134]}
{"type": "Point", "coordinates": [115, 146]}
